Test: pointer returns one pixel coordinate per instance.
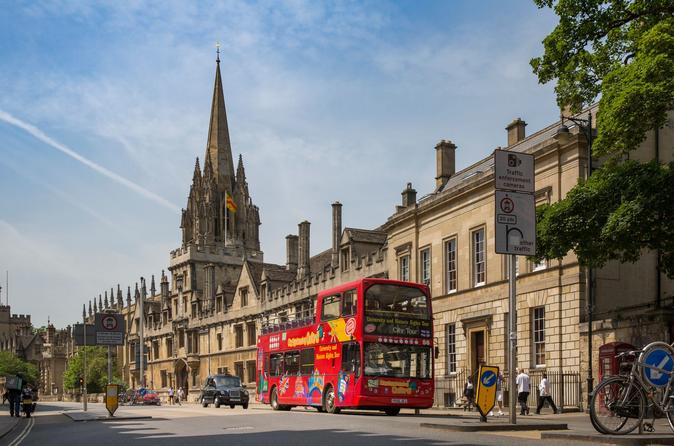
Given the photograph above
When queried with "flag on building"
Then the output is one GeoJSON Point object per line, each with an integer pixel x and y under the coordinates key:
{"type": "Point", "coordinates": [230, 203]}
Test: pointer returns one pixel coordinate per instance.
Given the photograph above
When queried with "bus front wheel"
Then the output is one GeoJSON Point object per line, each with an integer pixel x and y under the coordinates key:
{"type": "Point", "coordinates": [392, 411]}
{"type": "Point", "coordinates": [274, 400]}
{"type": "Point", "coordinates": [329, 401]}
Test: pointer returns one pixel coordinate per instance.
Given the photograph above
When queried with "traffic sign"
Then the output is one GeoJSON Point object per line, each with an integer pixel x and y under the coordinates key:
{"type": "Point", "coordinates": [78, 334]}
{"type": "Point", "coordinates": [109, 329]}
{"type": "Point", "coordinates": [486, 389]}
{"type": "Point", "coordinates": [515, 223]}
{"type": "Point", "coordinates": [112, 398]}
{"type": "Point", "coordinates": [658, 365]}
{"type": "Point", "coordinates": [513, 171]}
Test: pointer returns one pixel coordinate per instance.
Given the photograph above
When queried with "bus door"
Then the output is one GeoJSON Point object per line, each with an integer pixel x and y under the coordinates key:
{"type": "Point", "coordinates": [349, 375]}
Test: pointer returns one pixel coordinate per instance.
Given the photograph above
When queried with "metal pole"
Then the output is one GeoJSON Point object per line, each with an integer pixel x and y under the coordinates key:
{"type": "Point", "coordinates": [84, 368]}
{"type": "Point", "coordinates": [141, 334]}
{"type": "Point", "coordinates": [109, 364]}
{"type": "Point", "coordinates": [590, 277]}
{"type": "Point", "coordinates": [512, 357]}
{"type": "Point", "coordinates": [208, 334]}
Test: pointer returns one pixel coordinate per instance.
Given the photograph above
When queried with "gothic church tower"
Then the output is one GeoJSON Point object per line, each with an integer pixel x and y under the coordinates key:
{"type": "Point", "coordinates": [216, 238]}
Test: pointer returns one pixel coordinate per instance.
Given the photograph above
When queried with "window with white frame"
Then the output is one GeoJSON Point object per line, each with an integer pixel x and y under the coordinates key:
{"type": "Point", "coordinates": [538, 336]}
{"type": "Point", "coordinates": [450, 343]}
{"type": "Point", "coordinates": [425, 263]}
{"type": "Point", "coordinates": [479, 261]}
{"type": "Point", "coordinates": [450, 265]}
{"type": "Point", "coordinates": [404, 268]}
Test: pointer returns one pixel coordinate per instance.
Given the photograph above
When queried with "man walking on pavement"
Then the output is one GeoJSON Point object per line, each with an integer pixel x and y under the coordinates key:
{"type": "Point", "coordinates": [170, 395]}
{"type": "Point", "coordinates": [14, 402]}
{"type": "Point", "coordinates": [181, 396]}
{"type": "Point", "coordinates": [523, 385]}
{"type": "Point", "coordinates": [544, 395]}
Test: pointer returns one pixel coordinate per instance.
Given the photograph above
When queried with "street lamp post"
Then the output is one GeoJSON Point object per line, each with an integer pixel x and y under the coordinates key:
{"type": "Point", "coordinates": [585, 125]}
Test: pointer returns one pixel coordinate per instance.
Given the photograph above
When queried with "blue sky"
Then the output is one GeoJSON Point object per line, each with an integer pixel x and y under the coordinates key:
{"type": "Point", "coordinates": [105, 106]}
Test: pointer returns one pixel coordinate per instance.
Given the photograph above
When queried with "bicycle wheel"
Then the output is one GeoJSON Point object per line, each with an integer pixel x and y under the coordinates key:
{"type": "Point", "coordinates": [617, 406]}
{"type": "Point", "coordinates": [670, 416]}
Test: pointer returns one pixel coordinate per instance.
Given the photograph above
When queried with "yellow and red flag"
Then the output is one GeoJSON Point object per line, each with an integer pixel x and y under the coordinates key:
{"type": "Point", "coordinates": [230, 203]}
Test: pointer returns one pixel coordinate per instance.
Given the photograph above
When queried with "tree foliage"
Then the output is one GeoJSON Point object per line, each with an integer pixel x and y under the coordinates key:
{"type": "Point", "coordinates": [613, 216]}
{"type": "Point", "coordinates": [621, 51]}
{"type": "Point", "coordinates": [97, 369]}
{"type": "Point", "coordinates": [10, 364]}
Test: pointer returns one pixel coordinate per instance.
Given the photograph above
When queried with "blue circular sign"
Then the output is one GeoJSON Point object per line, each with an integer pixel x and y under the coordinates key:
{"type": "Point", "coordinates": [488, 378]}
{"type": "Point", "coordinates": [660, 359]}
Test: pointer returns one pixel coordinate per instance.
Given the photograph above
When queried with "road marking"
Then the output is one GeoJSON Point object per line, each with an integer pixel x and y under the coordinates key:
{"type": "Point", "coordinates": [24, 433]}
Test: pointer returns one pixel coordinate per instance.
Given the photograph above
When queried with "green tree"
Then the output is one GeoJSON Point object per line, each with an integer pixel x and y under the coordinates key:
{"type": "Point", "coordinates": [97, 369]}
{"type": "Point", "coordinates": [10, 364]}
{"type": "Point", "coordinates": [621, 51]}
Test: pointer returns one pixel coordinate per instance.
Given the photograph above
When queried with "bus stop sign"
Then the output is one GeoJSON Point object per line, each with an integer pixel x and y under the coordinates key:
{"type": "Point", "coordinates": [486, 389]}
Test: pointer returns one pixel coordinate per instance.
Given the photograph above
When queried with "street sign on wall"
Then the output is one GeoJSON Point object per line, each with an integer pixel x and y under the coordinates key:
{"type": "Point", "coordinates": [109, 329]}
{"type": "Point", "coordinates": [515, 223]}
{"type": "Point", "coordinates": [514, 171]}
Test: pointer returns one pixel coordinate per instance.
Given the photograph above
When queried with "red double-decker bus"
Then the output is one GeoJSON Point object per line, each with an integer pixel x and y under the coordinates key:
{"type": "Point", "coordinates": [369, 346]}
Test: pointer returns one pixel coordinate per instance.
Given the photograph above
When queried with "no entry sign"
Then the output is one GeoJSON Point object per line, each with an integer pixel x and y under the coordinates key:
{"type": "Point", "coordinates": [109, 329]}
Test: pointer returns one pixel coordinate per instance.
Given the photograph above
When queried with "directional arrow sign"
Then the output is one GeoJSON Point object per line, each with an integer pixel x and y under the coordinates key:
{"type": "Point", "coordinates": [515, 223]}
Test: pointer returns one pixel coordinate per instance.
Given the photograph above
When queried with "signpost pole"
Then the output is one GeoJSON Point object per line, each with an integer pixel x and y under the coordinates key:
{"type": "Point", "coordinates": [512, 324]}
{"type": "Point", "coordinates": [109, 364]}
{"type": "Point", "coordinates": [84, 368]}
{"type": "Point", "coordinates": [141, 320]}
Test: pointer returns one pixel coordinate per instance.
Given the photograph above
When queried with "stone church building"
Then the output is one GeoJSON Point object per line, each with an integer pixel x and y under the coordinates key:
{"type": "Point", "coordinates": [219, 294]}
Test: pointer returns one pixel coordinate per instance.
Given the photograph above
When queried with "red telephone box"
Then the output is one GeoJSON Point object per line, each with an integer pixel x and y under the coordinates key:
{"type": "Point", "coordinates": [608, 363]}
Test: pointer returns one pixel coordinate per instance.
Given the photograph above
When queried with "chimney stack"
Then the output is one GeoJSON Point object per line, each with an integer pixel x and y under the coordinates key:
{"type": "Point", "coordinates": [445, 162]}
{"type": "Point", "coordinates": [291, 252]}
{"type": "Point", "coordinates": [336, 232]}
{"type": "Point", "coordinates": [409, 196]}
{"type": "Point", "coordinates": [516, 131]}
{"type": "Point", "coordinates": [303, 261]}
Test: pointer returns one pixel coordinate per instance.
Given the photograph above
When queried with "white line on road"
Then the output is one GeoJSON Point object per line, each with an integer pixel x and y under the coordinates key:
{"type": "Point", "coordinates": [24, 433]}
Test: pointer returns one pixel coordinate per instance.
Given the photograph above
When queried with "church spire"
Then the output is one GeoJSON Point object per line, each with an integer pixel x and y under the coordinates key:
{"type": "Point", "coordinates": [240, 171]}
{"type": "Point", "coordinates": [219, 148]}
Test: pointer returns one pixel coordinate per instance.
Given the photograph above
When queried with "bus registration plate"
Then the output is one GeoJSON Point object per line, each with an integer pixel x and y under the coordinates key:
{"type": "Point", "coordinates": [399, 400]}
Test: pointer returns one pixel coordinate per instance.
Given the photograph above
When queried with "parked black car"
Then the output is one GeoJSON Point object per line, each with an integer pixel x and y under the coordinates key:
{"type": "Point", "coordinates": [224, 390]}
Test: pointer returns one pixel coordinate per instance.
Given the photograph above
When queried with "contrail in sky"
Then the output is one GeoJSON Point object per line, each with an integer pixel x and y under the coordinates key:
{"type": "Point", "coordinates": [39, 134]}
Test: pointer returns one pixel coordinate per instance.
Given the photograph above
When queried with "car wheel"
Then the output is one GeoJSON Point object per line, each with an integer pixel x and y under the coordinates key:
{"type": "Point", "coordinates": [204, 403]}
{"type": "Point", "coordinates": [245, 406]}
{"type": "Point", "coordinates": [216, 403]}
{"type": "Point", "coordinates": [232, 406]}
{"type": "Point", "coordinates": [329, 403]}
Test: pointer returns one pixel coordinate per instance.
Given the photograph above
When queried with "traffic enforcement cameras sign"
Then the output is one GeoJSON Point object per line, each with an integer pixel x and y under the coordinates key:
{"type": "Point", "coordinates": [513, 171]}
{"type": "Point", "coordinates": [515, 223]}
{"type": "Point", "coordinates": [109, 329]}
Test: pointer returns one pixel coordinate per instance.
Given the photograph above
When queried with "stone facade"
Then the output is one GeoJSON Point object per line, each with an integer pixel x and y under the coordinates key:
{"type": "Point", "coordinates": [205, 317]}
{"type": "Point", "coordinates": [48, 350]}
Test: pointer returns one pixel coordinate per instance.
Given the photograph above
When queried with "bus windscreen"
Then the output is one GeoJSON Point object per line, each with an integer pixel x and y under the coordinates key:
{"type": "Point", "coordinates": [396, 310]}
{"type": "Point", "coordinates": [399, 361]}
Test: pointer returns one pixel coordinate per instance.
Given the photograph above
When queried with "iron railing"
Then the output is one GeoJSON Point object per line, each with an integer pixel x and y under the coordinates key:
{"type": "Point", "coordinates": [565, 388]}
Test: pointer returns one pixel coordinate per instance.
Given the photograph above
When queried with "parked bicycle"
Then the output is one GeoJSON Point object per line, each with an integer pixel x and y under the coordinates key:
{"type": "Point", "coordinates": [620, 403]}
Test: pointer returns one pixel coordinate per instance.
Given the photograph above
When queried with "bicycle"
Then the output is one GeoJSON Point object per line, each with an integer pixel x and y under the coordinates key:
{"type": "Point", "coordinates": [619, 403]}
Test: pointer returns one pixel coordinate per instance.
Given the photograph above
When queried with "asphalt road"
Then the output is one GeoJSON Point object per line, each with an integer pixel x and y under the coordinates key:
{"type": "Point", "coordinates": [191, 424]}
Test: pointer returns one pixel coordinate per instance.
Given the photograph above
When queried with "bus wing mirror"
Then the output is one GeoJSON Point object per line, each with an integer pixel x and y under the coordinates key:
{"type": "Point", "coordinates": [437, 352]}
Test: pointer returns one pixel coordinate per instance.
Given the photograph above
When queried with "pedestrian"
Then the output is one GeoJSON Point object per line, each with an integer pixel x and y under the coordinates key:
{"type": "Point", "coordinates": [170, 395]}
{"type": "Point", "coordinates": [469, 393]}
{"type": "Point", "coordinates": [181, 395]}
{"type": "Point", "coordinates": [523, 384]}
{"type": "Point", "coordinates": [499, 395]}
{"type": "Point", "coordinates": [544, 395]}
